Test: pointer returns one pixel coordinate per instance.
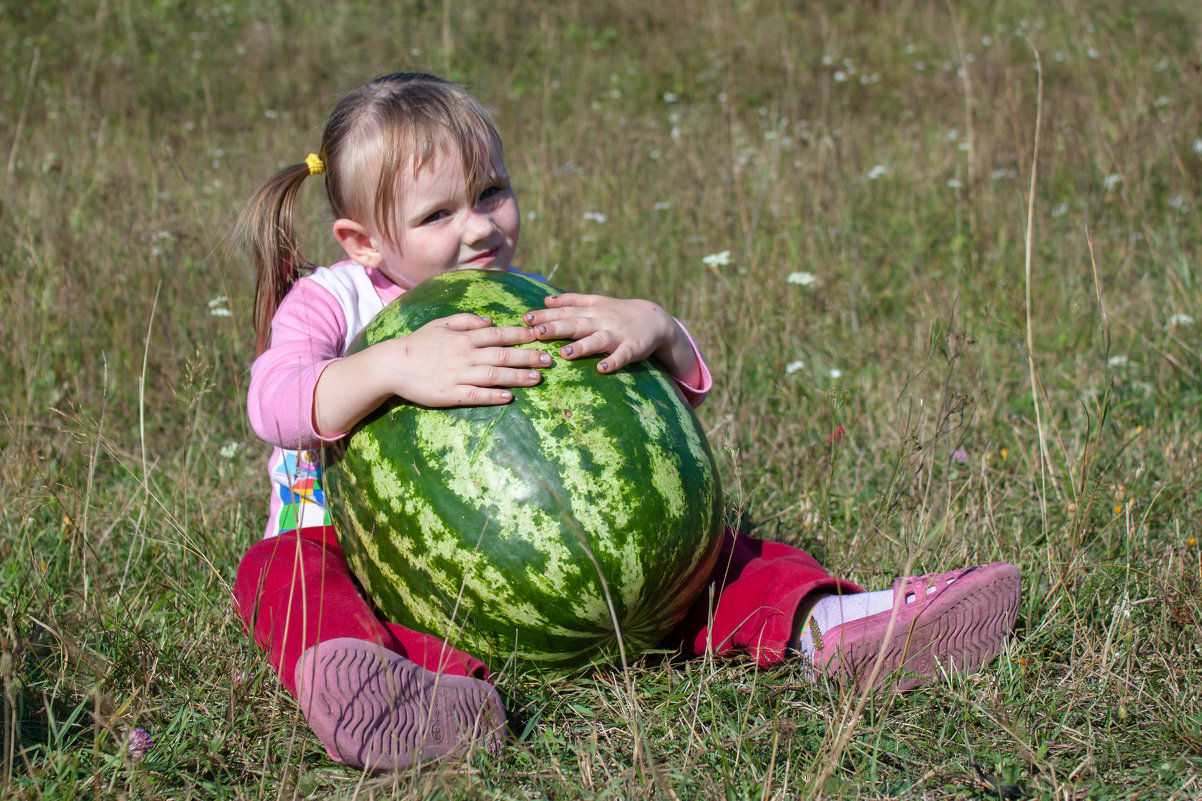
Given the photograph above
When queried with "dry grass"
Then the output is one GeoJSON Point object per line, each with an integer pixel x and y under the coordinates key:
{"type": "Point", "coordinates": [886, 150]}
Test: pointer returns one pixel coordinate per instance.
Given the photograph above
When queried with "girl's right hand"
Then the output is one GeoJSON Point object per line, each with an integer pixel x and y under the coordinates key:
{"type": "Point", "coordinates": [461, 360]}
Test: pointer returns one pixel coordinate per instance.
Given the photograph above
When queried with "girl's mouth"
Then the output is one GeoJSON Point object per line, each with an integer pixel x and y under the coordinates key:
{"type": "Point", "coordinates": [484, 259]}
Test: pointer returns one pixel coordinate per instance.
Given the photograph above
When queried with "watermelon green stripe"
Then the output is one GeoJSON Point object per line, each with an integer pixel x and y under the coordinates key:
{"type": "Point", "coordinates": [501, 528]}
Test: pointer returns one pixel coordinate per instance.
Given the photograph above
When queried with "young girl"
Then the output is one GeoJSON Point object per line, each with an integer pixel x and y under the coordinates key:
{"type": "Point", "coordinates": [416, 181]}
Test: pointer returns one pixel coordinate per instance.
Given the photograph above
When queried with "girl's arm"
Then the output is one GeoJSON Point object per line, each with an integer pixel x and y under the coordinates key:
{"type": "Point", "coordinates": [627, 331]}
{"type": "Point", "coordinates": [461, 360]}
{"type": "Point", "coordinates": [308, 332]}
{"type": "Point", "coordinates": [303, 392]}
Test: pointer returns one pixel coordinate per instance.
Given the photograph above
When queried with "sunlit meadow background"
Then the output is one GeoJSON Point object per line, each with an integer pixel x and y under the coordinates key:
{"type": "Point", "coordinates": [943, 258]}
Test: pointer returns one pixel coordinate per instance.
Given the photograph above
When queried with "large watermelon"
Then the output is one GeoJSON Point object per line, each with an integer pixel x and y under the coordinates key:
{"type": "Point", "coordinates": [529, 530]}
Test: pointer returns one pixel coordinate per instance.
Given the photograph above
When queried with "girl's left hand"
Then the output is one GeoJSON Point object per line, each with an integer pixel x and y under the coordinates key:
{"type": "Point", "coordinates": [627, 331]}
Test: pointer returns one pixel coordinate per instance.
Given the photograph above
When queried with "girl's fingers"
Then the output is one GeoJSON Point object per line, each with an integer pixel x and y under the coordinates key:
{"type": "Point", "coordinates": [502, 336]}
{"type": "Point", "coordinates": [560, 307]}
{"type": "Point", "coordinates": [570, 299]}
{"type": "Point", "coordinates": [505, 377]}
{"type": "Point", "coordinates": [574, 327]}
{"type": "Point", "coordinates": [591, 345]}
{"type": "Point", "coordinates": [486, 386]}
{"type": "Point", "coordinates": [464, 321]}
{"type": "Point", "coordinates": [514, 357]}
{"type": "Point", "coordinates": [478, 396]}
{"type": "Point", "coordinates": [616, 360]}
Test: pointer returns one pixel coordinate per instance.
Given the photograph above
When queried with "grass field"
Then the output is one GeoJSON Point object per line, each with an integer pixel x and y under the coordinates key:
{"type": "Point", "coordinates": [969, 233]}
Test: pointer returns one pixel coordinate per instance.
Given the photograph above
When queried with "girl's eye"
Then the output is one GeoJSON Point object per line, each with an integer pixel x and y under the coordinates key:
{"type": "Point", "coordinates": [492, 192]}
{"type": "Point", "coordinates": [435, 217]}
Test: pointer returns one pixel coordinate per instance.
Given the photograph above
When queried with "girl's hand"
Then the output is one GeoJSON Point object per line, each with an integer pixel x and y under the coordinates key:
{"type": "Point", "coordinates": [461, 360]}
{"type": "Point", "coordinates": [628, 331]}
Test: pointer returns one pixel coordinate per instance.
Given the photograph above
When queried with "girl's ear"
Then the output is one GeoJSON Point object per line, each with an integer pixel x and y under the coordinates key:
{"type": "Point", "coordinates": [358, 243]}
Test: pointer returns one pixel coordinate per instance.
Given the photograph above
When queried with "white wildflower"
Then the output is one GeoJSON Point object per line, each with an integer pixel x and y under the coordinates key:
{"type": "Point", "coordinates": [671, 97]}
{"type": "Point", "coordinates": [719, 259]}
{"type": "Point", "coordinates": [1178, 320]}
{"type": "Point", "coordinates": [878, 171]}
{"type": "Point", "coordinates": [1198, 147]}
{"type": "Point", "coordinates": [1117, 361]}
{"type": "Point", "coordinates": [662, 205]}
{"type": "Point", "coordinates": [793, 367]}
{"type": "Point", "coordinates": [218, 306]}
{"type": "Point", "coordinates": [595, 216]}
{"type": "Point", "coordinates": [802, 279]}
{"type": "Point", "coordinates": [1112, 180]}
{"type": "Point", "coordinates": [228, 450]}
{"type": "Point", "coordinates": [836, 372]}
{"type": "Point", "coordinates": [1060, 210]}
{"type": "Point", "coordinates": [954, 183]}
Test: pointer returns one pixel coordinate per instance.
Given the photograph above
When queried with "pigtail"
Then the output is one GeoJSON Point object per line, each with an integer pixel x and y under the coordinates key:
{"type": "Point", "coordinates": [266, 226]}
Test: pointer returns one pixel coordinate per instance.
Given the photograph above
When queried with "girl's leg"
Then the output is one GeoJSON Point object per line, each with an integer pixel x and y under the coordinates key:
{"type": "Point", "coordinates": [771, 599]}
{"type": "Point", "coordinates": [377, 695]}
{"type": "Point", "coordinates": [752, 598]}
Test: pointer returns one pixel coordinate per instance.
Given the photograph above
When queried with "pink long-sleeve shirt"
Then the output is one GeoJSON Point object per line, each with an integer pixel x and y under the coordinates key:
{"type": "Point", "coordinates": [314, 325]}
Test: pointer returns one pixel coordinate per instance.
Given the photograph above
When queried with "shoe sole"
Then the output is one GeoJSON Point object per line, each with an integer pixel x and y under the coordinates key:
{"type": "Point", "coordinates": [374, 709]}
{"type": "Point", "coordinates": [958, 631]}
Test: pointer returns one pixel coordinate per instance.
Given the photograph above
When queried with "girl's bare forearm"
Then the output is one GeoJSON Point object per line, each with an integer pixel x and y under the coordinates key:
{"type": "Point", "coordinates": [347, 391]}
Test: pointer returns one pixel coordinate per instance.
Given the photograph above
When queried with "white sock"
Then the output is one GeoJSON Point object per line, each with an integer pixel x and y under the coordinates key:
{"type": "Point", "coordinates": [835, 610]}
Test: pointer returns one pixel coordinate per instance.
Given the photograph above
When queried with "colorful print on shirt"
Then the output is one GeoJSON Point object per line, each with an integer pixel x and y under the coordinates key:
{"type": "Point", "coordinates": [302, 499]}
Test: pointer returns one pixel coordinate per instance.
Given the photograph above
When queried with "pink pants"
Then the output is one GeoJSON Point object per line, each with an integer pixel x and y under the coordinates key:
{"type": "Point", "coordinates": [295, 590]}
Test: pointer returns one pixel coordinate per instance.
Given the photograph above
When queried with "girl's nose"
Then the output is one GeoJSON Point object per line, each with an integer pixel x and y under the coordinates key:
{"type": "Point", "coordinates": [479, 227]}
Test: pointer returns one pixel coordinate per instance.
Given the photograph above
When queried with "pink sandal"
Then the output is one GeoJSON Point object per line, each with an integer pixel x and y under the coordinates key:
{"type": "Point", "coordinates": [374, 709]}
{"type": "Point", "coordinates": [945, 622]}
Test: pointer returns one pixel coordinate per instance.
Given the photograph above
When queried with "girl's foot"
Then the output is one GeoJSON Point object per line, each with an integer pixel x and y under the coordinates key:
{"type": "Point", "coordinates": [374, 709]}
{"type": "Point", "coordinates": [946, 622]}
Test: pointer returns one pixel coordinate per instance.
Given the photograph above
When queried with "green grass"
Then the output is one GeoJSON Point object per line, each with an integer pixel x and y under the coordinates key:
{"type": "Point", "coordinates": [884, 148]}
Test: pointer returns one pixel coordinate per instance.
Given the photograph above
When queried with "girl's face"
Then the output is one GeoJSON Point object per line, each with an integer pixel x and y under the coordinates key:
{"type": "Point", "coordinates": [439, 228]}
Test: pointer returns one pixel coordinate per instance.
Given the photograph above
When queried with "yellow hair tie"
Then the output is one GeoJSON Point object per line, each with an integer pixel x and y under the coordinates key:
{"type": "Point", "coordinates": [316, 165]}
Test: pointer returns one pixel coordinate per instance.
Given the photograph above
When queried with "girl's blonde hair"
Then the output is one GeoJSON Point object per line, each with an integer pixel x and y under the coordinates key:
{"type": "Point", "coordinates": [378, 130]}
